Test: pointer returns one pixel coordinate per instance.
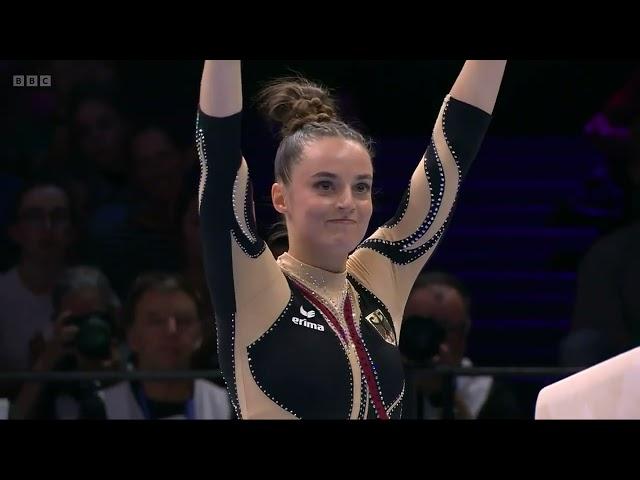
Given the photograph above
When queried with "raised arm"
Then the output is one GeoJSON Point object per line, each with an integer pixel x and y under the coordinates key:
{"type": "Point", "coordinates": [221, 88]}
{"type": "Point", "coordinates": [478, 83]}
{"type": "Point", "coordinates": [389, 261]}
{"type": "Point", "coordinates": [245, 282]}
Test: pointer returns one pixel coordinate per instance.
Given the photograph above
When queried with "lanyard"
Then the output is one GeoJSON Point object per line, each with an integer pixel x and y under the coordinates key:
{"type": "Point", "coordinates": [189, 410]}
{"type": "Point", "coordinates": [365, 363]}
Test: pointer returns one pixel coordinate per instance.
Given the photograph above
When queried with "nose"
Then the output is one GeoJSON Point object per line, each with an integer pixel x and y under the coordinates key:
{"type": "Point", "coordinates": [345, 200]}
{"type": "Point", "coordinates": [171, 324]}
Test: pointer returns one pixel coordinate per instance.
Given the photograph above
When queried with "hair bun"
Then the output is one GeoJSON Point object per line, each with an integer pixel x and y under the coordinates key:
{"type": "Point", "coordinates": [296, 102]}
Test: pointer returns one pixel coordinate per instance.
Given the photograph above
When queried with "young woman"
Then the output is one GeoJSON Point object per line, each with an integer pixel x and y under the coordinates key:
{"type": "Point", "coordinates": [314, 334]}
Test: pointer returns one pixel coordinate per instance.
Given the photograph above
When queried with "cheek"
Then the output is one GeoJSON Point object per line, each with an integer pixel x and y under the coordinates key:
{"type": "Point", "coordinates": [317, 211]}
{"type": "Point", "coordinates": [368, 208]}
{"type": "Point", "coordinates": [193, 336]}
{"type": "Point", "coordinates": [305, 208]}
{"type": "Point", "coordinates": [365, 210]}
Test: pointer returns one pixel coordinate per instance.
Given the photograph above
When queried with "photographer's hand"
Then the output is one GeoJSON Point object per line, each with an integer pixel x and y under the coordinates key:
{"type": "Point", "coordinates": [48, 355]}
{"type": "Point", "coordinates": [58, 346]}
{"type": "Point", "coordinates": [446, 358]}
{"type": "Point", "coordinates": [113, 362]}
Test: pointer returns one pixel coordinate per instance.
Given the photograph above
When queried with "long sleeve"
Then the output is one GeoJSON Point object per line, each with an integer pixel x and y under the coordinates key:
{"type": "Point", "coordinates": [248, 289]}
{"type": "Point", "coordinates": [389, 261]}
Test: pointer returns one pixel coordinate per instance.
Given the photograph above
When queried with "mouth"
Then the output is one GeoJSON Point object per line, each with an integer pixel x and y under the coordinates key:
{"type": "Point", "coordinates": [344, 221]}
{"type": "Point", "coordinates": [171, 351]}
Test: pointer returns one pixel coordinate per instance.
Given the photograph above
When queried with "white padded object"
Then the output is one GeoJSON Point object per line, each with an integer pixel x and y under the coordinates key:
{"type": "Point", "coordinates": [609, 390]}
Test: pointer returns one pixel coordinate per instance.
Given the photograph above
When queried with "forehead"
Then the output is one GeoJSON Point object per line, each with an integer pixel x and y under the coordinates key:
{"type": "Point", "coordinates": [151, 139]}
{"type": "Point", "coordinates": [83, 300]}
{"type": "Point", "coordinates": [91, 109]}
{"type": "Point", "coordinates": [335, 155]}
{"type": "Point", "coordinates": [439, 301]}
{"type": "Point", "coordinates": [46, 196]}
{"type": "Point", "coordinates": [164, 302]}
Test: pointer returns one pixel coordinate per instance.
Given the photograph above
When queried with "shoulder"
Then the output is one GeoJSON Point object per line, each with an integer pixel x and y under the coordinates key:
{"type": "Point", "coordinates": [115, 391]}
{"type": "Point", "coordinates": [210, 389]}
{"type": "Point", "coordinates": [9, 283]}
{"type": "Point", "coordinates": [614, 245]}
{"type": "Point", "coordinates": [9, 277]}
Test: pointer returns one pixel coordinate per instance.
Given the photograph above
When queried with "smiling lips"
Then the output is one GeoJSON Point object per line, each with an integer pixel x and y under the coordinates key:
{"type": "Point", "coordinates": [342, 221]}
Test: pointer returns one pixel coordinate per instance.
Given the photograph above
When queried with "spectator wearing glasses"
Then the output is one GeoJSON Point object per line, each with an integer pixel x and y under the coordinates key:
{"type": "Point", "coordinates": [43, 227]}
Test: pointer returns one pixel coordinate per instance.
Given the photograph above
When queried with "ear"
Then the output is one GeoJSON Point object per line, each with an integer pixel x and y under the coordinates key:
{"type": "Point", "coordinates": [199, 336]}
{"type": "Point", "coordinates": [278, 198]}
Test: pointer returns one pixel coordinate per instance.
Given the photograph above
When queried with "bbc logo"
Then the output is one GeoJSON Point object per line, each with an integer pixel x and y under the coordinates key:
{"type": "Point", "coordinates": [32, 80]}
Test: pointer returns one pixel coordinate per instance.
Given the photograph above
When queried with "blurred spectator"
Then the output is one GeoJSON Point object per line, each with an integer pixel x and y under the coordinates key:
{"type": "Point", "coordinates": [611, 194]}
{"type": "Point", "coordinates": [434, 333]}
{"type": "Point", "coordinates": [140, 234]}
{"type": "Point", "coordinates": [606, 317]}
{"type": "Point", "coordinates": [206, 357]}
{"type": "Point", "coordinates": [84, 339]}
{"type": "Point", "coordinates": [163, 323]}
{"type": "Point", "coordinates": [43, 227]}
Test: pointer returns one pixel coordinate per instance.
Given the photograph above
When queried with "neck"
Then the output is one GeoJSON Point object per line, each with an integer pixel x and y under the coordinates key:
{"type": "Point", "coordinates": [39, 277]}
{"type": "Point", "coordinates": [332, 286]}
{"type": "Point", "coordinates": [330, 263]}
{"type": "Point", "coordinates": [173, 391]}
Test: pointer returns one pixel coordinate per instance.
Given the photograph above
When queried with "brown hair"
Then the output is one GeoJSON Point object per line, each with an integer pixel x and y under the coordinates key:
{"type": "Point", "coordinates": [306, 112]}
{"type": "Point", "coordinates": [157, 281]}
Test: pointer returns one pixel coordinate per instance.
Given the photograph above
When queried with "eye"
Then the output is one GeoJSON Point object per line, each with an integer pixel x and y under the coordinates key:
{"type": "Point", "coordinates": [363, 187]}
{"type": "Point", "coordinates": [185, 320]}
{"type": "Point", "coordinates": [324, 185]}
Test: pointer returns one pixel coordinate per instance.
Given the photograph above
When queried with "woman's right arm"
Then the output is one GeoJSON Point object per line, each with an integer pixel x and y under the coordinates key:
{"type": "Point", "coordinates": [221, 88]}
{"type": "Point", "coordinates": [234, 255]}
{"type": "Point", "coordinates": [247, 288]}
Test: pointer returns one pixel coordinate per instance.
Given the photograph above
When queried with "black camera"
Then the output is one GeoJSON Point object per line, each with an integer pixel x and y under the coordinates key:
{"type": "Point", "coordinates": [94, 335]}
{"type": "Point", "coordinates": [420, 338]}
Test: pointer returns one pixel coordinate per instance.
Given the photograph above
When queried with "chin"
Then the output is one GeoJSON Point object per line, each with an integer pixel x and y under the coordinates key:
{"type": "Point", "coordinates": [343, 245]}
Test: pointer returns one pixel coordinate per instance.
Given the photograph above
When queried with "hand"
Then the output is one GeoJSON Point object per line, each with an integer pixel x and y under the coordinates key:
{"type": "Point", "coordinates": [444, 357]}
{"type": "Point", "coordinates": [113, 362]}
{"type": "Point", "coordinates": [60, 344]}
{"type": "Point", "coordinates": [461, 408]}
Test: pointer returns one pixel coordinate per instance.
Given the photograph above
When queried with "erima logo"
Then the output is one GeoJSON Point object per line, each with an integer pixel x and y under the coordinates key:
{"type": "Point", "coordinates": [309, 314]}
{"type": "Point", "coordinates": [303, 321]}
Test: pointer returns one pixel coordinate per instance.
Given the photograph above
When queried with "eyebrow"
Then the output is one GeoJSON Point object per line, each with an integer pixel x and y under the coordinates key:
{"type": "Point", "coordinates": [365, 176]}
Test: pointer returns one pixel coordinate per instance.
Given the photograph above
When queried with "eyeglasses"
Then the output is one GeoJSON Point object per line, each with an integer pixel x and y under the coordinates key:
{"type": "Point", "coordinates": [39, 218]}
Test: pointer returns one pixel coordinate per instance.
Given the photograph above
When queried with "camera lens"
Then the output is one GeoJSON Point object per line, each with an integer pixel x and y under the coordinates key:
{"type": "Point", "coordinates": [94, 336]}
{"type": "Point", "coordinates": [420, 338]}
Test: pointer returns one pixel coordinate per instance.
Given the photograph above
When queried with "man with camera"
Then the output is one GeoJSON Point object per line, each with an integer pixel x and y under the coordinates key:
{"type": "Point", "coordinates": [434, 333]}
{"type": "Point", "coordinates": [84, 339]}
